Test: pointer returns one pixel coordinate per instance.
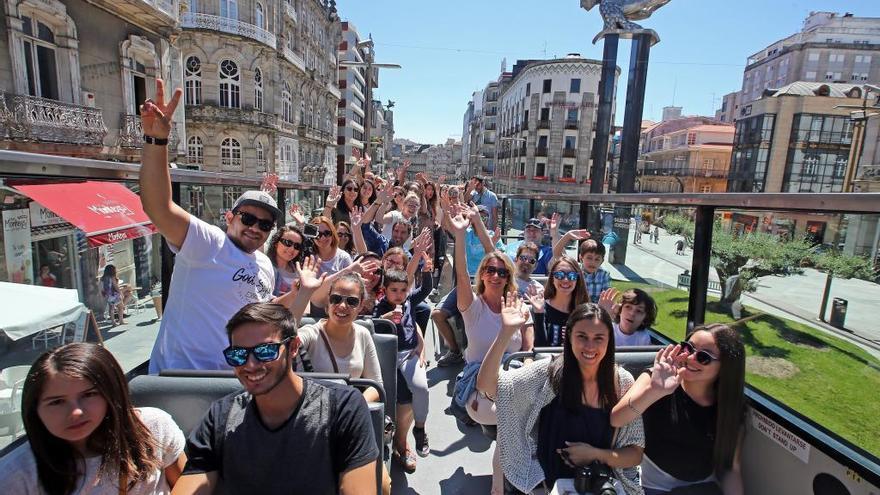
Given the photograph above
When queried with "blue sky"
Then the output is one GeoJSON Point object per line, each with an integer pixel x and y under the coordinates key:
{"type": "Point", "coordinates": [448, 49]}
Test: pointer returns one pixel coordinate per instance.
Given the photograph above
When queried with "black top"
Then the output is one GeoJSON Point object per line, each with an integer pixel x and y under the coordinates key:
{"type": "Point", "coordinates": [549, 327]}
{"type": "Point", "coordinates": [329, 432]}
{"type": "Point", "coordinates": [406, 329]}
{"type": "Point", "coordinates": [557, 425]}
{"type": "Point", "coordinates": [680, 436]}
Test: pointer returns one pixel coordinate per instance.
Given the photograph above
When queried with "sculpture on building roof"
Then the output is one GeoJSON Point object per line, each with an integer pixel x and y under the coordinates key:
{"type": "Point", "coordinates": [618, 15]}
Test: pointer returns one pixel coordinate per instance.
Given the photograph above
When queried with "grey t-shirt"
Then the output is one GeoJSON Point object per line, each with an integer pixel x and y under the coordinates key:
{"type": "Point", "coordinates": [328, 433]}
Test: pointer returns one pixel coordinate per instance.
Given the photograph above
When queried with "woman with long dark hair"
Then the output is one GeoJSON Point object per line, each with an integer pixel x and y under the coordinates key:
{"type": "Point", "coordinates": [692, 404]}
{"type": "Point", "coordinates": [368, 194]}
{"type": "Point", "coordinates": [84, 435]}
{"type": "Point", "coordinates": [285, 250]}
{"type": "Point", "coordinates": [115, 294]}
{"type": "Point", "coordinates": [346, 241]}
{"type": "Point", "coordinates": [560, 409]}
{"type": "Point", "coordinates": [565, 289]}
{"type": "Point", "coordinates": [342, 200]}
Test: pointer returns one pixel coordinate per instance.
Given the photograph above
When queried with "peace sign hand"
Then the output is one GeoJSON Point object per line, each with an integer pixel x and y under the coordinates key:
{"type": "Point", "coordinates": [156, 114]}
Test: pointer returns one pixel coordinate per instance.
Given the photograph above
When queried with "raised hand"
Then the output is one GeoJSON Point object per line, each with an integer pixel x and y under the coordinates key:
{"type": "Point", "coordinates": [457, 222]}
{"type": "Point", "coordinates": [428, 265]}
{"type": "Point", "coordinates": [472, 211]}
{"type": "Point", "coordinates": [308, 273]}
{"type": "Point", "coordinates": [333, 197]}
{"type": "Point", "coordinates": [156, 113]}
{"type": "Point", "coordinates": [512, 313]}
{"type": "Point", "coordinates": [607, 300]}
{"type": "Point", "coordinates": [667, 369]}
{"type": "Point", "coordinates": [363, 266]}
{"type": "Point", "coordinates": [423, 242]}
{"type": "Point", "coordinates": [421, 177]}
{"type": "Point", "coordinates": [385, 195]}
{"type": "Point", "coordinates": [296, 212]}
{"type": "Point", "coordinates": [356, 216]}
{"type": "Point", "coordinates": [444, 199]}
{"type": "Point", "coordinates": [536, 298]}
{"type": "Point", "coordinates": [578, 234]}
{"type": "Point", "coordinates": [496, 235]}
{"type": "Point", "coordinates": [554, 220]}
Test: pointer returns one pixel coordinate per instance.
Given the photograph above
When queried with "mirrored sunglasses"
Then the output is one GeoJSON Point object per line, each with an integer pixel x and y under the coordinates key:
{"type": "Point", "coordinates": [265, 353]}
{"type": "Point", "coordinates": [527, 259]}
{"type": "Point", "coordinates": [561, 275]}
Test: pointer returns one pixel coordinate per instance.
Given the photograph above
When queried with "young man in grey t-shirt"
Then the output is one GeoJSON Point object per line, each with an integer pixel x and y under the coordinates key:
{"type": "Point", "coordinates": [284, 433]}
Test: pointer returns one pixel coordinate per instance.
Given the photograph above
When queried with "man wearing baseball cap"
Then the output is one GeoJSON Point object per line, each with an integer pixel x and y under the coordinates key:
{"type": "Point", "coordinates": [216, 273]}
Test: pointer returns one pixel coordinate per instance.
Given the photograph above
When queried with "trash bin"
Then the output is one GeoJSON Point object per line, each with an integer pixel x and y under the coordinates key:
{"type": "Point", "coordinates": [838, 312]}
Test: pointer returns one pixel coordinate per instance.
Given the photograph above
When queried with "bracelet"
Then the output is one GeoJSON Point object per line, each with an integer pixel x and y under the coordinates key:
{"type": "Point", "coordinates": [155, 141]}
{"type": "Point", "coordinates": [630, 405]}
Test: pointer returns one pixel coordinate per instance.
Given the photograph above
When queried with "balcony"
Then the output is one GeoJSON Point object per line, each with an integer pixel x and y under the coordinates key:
{"type": "Point", "coordinates": [315, 134]}
{"type": "Point", "coordinates": [544, 124]}
{"type": "Point", "coordinates": [39, 119]}
{"type": "Point", "coordinates": [684, 172]}
{"type": "Point", "coordinates": [289, 11]}
{"type": "Point", "coordinates": [571, 124]}
{"type": "Point", "coordinates": [131, 133]}
{"type": "Point", "coordinates": [213, 113]}
{"type": "Point", "coordinates": [491, 126]}
{"type": "Point", "coordinates": [153, 14]}
{"type": "Point", "coordinates": [569, 153]}
{"type": "Point", "coordinates": [541, 151]}
{"type": "Point", "coordinates": [292, 57]}
{"type": "Point", "coordinates": [194, 20]}
{"type": "Point", "coordinates": [333, 90]}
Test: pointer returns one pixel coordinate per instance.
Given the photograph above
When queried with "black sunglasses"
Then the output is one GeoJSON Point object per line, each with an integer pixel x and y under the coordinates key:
{"type": "Point", "coordinates": [703, 357]}
{"type": "Point", "coordinates": [343, 234]}
{"type": "Point", "coordinates": [494, 270]}
{"type": "Point", "coordinates": [351, 301]}
{"type": "Point", "coordinates": [324, 233]}
{"type": "Point", "coordinates": [290, 244]}
{"type": "Point", "coordinates": [249, 220]}
{"type": "Point", "coordinates": [265, 353]}
{"type": "Point", "coordinates": [527, 259]}
{"type": "Point", "coordinates": [561, 275]}
{"type": "Point", "coordinates": [349, 189]}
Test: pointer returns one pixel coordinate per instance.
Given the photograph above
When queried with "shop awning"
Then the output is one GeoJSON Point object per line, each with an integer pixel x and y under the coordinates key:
{"type": "Point", "coordinates": [107, 212]}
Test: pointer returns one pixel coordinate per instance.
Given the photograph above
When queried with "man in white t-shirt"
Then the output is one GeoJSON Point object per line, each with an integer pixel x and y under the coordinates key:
{"type": "Point", "coordinates": [215, 272]}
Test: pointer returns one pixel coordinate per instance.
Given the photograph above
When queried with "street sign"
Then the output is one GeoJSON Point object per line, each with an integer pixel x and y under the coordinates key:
{"type": "Point", "coordinates": [621, 222]}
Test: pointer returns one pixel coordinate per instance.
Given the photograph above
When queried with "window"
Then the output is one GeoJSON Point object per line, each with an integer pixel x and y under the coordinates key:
{"type": "Point", "coordinates": [195, 152]}
{"type": "Point", "coordinates": [706, 188]}
{"type": "Point", "coordinates": [548, 85]}
{"type": "Point", "coordinates": [542, 142]}
{"type": "Point", "coordinates": [813, 57]}
{"type": "Point", "coordinates": [39, 58]}
{"type": "Point", "coordinates": [229, 9]}
{"type": "Point", "coordinates": [572, 115]}
{"type": "Point", "coordinates": [539, 169]}
{"type": "Point", "coordinates": [192, 81]}
{"type": "Point", "coordinates": [230, 85]}
{"type": "Point", "coordinates": [835, 58]}
{"type": "Point", "coordinates": [259, 17]}
{"type": "Point", "coordinates": [570, 142]}
{"type": "Point", "coordinates": [568, 171]}
{"type": "Point", "coordinates": [230, 195]}
{"type": "Point", "coordinates": [575, 86]}
{"type": "Point", "coordinates": [258, 90]}
{"type": "Point", "coordinates": [528, 89]}
{"type": "Point", "coordinates": [261, 157]}
{"type": "Point", "coordinates": [810, 75]}
{"type": "Point", "coordinates": [863, 59]}
{"type": "Point", "coordinates": [287, 104]}
{"type": "Point", "coordinates": [230, 154]}
{"type": "Point", "coordinates": [545, 114]}
{"type": "Point", "coordinates": [692, 138]}
{"type": "Point", "coordinates": [139, 86]}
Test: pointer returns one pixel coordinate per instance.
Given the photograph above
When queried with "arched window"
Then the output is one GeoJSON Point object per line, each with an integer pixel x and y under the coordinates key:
{"type": "Point", "coordinates": [302, 108]}
{"type": "Point", "coordinates": [195, 152]}
{"type": "Point", "coordinates": [259, 17]}
{"type": "Point", "coordinates": [230, 85]}
{"type": "Point", "coordinates": [193, 81]}
{"type": "Point", "coordinates": [258, 90]}
{"type": "Point", "coordinates": [230, 154]}
{"type": "Point", "coordinates": [261, 157]}
{"type": "Point", "coordinates": [39, 58]}
{"type": "Point", "coordinates": [287, 104]}
{"type": "Point", "coordinates": [229, 9]}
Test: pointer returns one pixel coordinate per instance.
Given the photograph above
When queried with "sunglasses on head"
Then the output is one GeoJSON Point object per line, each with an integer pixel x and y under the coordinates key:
{"type": "Point", "coordinates": [324, 233]}
{"type": "Point", "coordinates": [249, 220]}
{"type": "Point", "coordinates": [290, 244]}
{"type": "Point", "coordinates": [527, 259]}
{"type": "Point", "coordinates": [265, 353]}
{"type": "Point", "coordinates": [494, 270]}
{"type": "Point", "coordinates": [351, 301]}
{"type": "Point", "coordinates": [703, 357]}
{"type": "Point", "coordinates": [561, 275]}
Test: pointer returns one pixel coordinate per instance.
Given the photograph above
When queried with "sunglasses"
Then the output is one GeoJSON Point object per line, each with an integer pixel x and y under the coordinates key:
{"type": "Point", "coordinates": [249, 220]}
{"type": "Point", "coordinates": [265, 353]}
{"type": "Point", "coordinates": [343, 234]}
{"type": "Point", "coordinates": [494, 270]}
{"type": "Point", "coordinates": [351, 189]}
{"type": "Point", "coordinates": [290, 244]}
{"type": "Point", "coordinates": [351, 301]}
{"type": "Point", "coordinates": [527, 259]}
{"type": "Point", "coordinates": [703, 357]}
{"type": "Point", "coordinates": [324, 233]}
{"type": "Point", "coordinates": [561, 275]}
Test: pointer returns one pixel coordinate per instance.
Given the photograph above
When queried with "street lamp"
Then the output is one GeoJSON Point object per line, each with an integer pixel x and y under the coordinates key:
{"type": "Point", "coordinates": [369, 64]}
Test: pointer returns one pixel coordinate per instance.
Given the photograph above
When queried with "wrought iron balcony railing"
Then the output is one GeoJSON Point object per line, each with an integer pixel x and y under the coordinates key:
{"type": "Point", "coordinates": [569, 153]}
{"type": "Point", "coordinates": [195, 20]}
{"type": "Point", "coordinates": [39, 119]}
{"type": "Point", "coordinates": [131, 133]}
{"type": "Point", "coordinates": [544, 124]}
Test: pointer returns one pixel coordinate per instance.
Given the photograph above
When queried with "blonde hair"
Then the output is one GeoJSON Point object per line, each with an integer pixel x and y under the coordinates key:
{"type": "Point", "coordinates": [510, 286]}
{"type": "Point", "coordinates": [334, 237]}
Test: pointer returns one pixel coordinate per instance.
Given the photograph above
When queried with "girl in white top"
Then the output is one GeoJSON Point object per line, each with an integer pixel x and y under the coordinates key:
{"type": "Point", "coordinates": [285, 250]}
{"type": "Point", "coordinates": [84, 436]}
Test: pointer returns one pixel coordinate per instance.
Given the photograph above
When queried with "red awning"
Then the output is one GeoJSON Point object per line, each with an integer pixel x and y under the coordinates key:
{"type": "Point", "coordinates": [107, 212]}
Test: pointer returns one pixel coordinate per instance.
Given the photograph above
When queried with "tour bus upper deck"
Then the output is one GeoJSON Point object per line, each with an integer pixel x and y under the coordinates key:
{"type": "Point", "coordinates": [812, 417]}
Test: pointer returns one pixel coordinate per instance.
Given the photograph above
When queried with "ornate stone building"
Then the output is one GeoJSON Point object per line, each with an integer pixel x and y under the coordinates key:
{"type": "Point", "coordinates": [260, 87]}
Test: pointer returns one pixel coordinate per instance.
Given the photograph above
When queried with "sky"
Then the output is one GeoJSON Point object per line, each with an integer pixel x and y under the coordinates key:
{"type": "Point", "coordinates": [449, 49]}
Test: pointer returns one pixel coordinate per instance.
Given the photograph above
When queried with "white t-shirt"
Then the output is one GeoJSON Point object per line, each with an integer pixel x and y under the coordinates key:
{"type": "Point", "coordinates": [339, 261]}
{"type": "Point", "coordinates": [362, 362]}
{"type": "Point", "coordinates": [481, 326]}
{"type": "Point", "coordinates": [638, 338]}
{"type": "Point", "coordinates": [18, 469]}
{"type": "Point", "coordinates": [212, 280]}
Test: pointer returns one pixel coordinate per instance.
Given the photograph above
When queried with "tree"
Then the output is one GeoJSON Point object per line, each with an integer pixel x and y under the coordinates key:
{"type": "Point", "coordinates": [841, 266]}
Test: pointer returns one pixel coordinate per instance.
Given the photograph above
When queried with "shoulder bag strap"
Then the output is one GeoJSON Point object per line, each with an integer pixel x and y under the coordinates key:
{"type": "Point", "coordinates": [329, 350]}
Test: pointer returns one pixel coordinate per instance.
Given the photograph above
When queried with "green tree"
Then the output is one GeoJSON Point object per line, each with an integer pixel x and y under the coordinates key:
{"type": "Point", "coordinates": [841, 266]}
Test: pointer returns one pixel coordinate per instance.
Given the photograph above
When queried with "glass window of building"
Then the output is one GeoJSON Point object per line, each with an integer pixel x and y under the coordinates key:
{"type": "Point", "coordinates": [570, 142]}
{"type": "Point", "coordinates": [259, 16]}
{"type": "Point", "coordinates": [230, 153]}
{"type": "Point", "coordinates": [287, 104]}
{"type": "Point", "coordinates": [539, 169]}
{"type": "Point", "coordinates": [548, 85]}
{"type": "Point", "coordinates": [229, 9]}
{"type": "Point", "coordinates": [195, 151]}
{"type": "Point", "coordinates": [258, 90]}
{"type": "Point", "coordinates": [39, 47]}
{"type": "Point", "coordinates": [575, 86]}
{"type": "Point", "coordinates": [192, 81]}
{"type": "Point", "coordinates": [568, 171]}
{"type": "Point", "coordinates": [230, 85]}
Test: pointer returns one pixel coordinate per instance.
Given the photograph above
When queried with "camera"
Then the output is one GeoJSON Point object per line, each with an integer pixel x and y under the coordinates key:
{"type": "Point", "coordinates": [310, 233]}
{"type": "Point", "coordinates": [595, 478]}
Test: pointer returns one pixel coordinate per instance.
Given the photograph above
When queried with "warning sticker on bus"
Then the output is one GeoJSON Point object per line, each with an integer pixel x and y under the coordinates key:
{"type": "Point", "coordinates": [795, 445]}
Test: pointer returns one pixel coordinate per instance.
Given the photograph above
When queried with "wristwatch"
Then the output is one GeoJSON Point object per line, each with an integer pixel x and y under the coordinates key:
{"type": "Point", "coordinates": [155, 141]}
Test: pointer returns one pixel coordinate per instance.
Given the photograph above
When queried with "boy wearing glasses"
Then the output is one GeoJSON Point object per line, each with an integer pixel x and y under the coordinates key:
{"type": "Point", "coordinates": [318, 431]}
{"type": "Point", "coordinates": [215, 272]}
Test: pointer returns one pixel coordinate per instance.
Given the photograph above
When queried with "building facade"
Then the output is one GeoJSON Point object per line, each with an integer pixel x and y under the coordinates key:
{"type": "Point", "coordinates": [690, 154]}
{"type": "Point", "coordinates": [547, 125]}
{"type": "Point", "coordinates": [830, 48]}
{"type": "Point", "coordinates": [260, 87]}
{"type": "Point", "coordinates": [352, 107]}
{"type": "Point", "coordinates": [382, 136]}
{"type": "Point", "coordinates": [729, 107]}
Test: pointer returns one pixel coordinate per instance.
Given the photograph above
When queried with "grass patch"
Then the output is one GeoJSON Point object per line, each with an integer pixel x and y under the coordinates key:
{"type": "Point", "coordinates": [834, 378]}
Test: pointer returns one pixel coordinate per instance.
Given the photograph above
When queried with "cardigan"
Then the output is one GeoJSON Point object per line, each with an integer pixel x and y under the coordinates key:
{"type": "Point", "coordinates": [522, 394]}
